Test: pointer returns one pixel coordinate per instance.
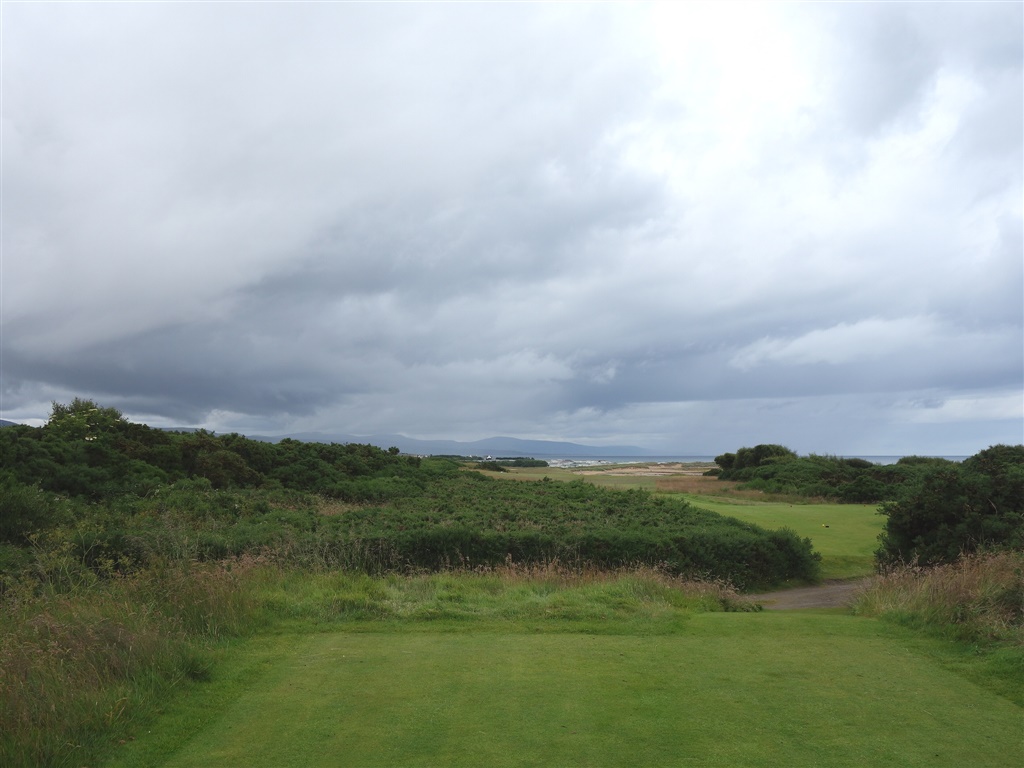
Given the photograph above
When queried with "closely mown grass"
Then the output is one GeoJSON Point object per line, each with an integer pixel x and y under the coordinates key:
{"type": "Point", "coordinates": [723, 690]}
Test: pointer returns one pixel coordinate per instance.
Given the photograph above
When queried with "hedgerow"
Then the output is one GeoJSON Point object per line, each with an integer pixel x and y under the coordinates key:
{"type": "Point", "coordinates": [472, 520]}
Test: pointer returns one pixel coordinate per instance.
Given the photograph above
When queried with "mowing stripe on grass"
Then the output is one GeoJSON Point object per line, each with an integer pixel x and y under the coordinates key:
{"type": "Point", "coordinates": [783, 689]}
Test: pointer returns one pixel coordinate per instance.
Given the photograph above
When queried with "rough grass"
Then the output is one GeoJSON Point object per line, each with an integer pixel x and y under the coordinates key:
{"type": "Point", "coordinates": [977, 602]}
{"type": "Point", "coordinates": [538, 597]}
{"type": "Point", "coordinates": [978, 598]}
{"type": "Point", "coordinates": [78, 667]}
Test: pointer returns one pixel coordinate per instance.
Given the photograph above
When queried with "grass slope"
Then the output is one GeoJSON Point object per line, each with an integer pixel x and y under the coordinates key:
{"type": "Point", "coordinates": [786, 689]}
{"type": "Point", "coordinates": [846, 545]}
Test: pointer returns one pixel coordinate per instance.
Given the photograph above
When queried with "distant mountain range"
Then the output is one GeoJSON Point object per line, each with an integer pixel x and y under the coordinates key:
{"type": "Point", "coordinates": [491, 446]}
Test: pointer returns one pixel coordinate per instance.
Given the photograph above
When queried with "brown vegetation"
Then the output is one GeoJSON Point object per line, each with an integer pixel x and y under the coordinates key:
{"type": "Point", "coordinates": [979, 597]}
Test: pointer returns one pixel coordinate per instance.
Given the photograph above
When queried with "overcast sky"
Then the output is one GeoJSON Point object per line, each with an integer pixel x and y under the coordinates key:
{"type": "Point", "coordinates": [686, 227]}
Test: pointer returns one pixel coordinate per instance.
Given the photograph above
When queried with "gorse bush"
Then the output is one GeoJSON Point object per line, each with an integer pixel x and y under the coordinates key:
{"type": "Point", "coordinates": [751, 458]}
{"type": "Point", "coordinates": [468, 520]}
{"type": "Point", "coordinates": [460, 520]}
{"type": "Point", "coordinates": [24, 510]}
{"type": "Point", "coordinates": [92, 452]}
{"type": "Point", "coordinates": [99, 495]}
{"type": "Point", "coordinates": [779, 471]}
{"type": "Point", "coordinates": [948, 509]}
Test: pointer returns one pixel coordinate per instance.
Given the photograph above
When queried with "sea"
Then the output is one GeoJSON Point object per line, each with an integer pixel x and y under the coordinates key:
{"type": "Point", "coordinates": [569, 462]}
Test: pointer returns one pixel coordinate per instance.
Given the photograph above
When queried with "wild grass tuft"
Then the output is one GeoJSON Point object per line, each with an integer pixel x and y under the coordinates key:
{"type": "Point", "coordinates": [549, 593]}
{"type": "Point", "coordinates": [79, 664]}
{"type": "Point", "coordinates": [980, 598]}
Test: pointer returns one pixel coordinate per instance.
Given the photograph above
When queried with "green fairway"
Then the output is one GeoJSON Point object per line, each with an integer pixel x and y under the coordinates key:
{"type": "Point", "coordinates": [846, 535]}
{"type": "Point", "coordinates": [784, 689]}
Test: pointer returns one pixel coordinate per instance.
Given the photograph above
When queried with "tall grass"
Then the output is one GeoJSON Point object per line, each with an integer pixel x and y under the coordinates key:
{"type": "Point", "coordinates": [78, 665]}
{"type": "Point", "coordinates": [980, 598]}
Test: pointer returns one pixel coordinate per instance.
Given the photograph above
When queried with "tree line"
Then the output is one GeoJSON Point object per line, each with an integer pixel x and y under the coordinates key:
{"type": "Point", "coordinates": [110, 496]}
{"type": "Point", "coordinates": [936, 509]}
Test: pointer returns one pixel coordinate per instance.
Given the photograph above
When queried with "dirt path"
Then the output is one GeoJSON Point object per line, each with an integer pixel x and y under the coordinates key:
{"type": "Point", "coordinates": [833, 594]}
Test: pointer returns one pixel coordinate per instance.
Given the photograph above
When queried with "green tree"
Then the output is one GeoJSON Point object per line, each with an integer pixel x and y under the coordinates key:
{"type": "Point", "coordinates": [726, 460]}
{"type": "Point", "coordinates": [950, 509]}
{"type": "Point", "coordinates": [84, 420]}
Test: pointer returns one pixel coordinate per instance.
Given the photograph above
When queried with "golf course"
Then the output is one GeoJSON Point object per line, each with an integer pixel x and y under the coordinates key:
{"type": "Point", "coordinates": [175, 600]}
{"type": "Point", "coordinates": [517, 671]}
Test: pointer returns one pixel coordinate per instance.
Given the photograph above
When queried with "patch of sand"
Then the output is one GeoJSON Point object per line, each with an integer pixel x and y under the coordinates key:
{"type": "Point", "coordinates": [833, 594]}
{"type": "Point", "coordinates": [648, 470]}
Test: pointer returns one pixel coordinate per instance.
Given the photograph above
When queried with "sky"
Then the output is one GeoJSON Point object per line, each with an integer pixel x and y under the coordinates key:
{"type": "Point", "coordinates": [687, 227]}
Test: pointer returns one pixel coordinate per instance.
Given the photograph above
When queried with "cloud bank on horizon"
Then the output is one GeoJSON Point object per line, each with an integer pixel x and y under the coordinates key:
{"type": "Point", "coordinates": [679, 226]}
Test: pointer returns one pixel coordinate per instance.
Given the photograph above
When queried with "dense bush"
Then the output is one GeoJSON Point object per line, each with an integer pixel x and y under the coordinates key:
{"type": "Point", "coordinates": [96, 496]}
{"type": "Point", "coordinates": [490, 466]}
{"type": "Point", "coordinates": [92, 452]}
{"type": "Point", "coordinates": [472, 521]}
{"type": "Point", "coordinates": [522, 461]}
{"type": "Point", "coordinates": [949, 509]}
{"type": "Point", "coordinates": [777, 470]}
{"type": "Point", "coordinates": [750, 458]}
{"type": "Point", "coordinates": [23, 510]}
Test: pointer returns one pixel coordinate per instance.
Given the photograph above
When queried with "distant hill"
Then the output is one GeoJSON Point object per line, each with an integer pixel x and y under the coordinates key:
{"type": "Point", "coordinates": [6, 423]}
{"type": "Point", "coordinates": [491, 446]}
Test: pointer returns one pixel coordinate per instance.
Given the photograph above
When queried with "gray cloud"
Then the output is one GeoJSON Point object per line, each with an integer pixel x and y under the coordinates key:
{"type": "Point", "coordinates": [661, 225]}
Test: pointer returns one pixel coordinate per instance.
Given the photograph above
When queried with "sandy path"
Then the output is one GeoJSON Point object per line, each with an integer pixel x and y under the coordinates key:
{"type": "Point", "coordinates": [835, 594]}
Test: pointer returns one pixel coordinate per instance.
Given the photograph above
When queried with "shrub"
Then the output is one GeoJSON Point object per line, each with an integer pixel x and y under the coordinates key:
{"type": "Point", "coordinates": [490, 466]}
{"type": "Point", "coordinates": [472, 521]}
{"type": "Point", "coordinates": [949, 509]}
{"type": "Point", "coordinates": [24, 510]}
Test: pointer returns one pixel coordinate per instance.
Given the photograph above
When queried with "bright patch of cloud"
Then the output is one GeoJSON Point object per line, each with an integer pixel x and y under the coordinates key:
{"type": "Point", "coordinates": [1003, 406]}
{"type": "Point", "coordinates": [862, 341]}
